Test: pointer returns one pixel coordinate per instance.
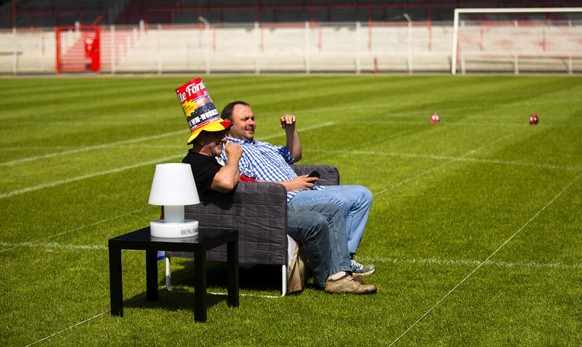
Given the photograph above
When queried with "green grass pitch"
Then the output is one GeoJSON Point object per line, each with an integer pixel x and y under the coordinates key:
{"type": "Point", "coordinates": [475, 227]}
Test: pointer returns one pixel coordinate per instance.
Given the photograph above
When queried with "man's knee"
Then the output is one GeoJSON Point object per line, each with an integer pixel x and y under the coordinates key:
{"type": "Point", "coordinates": [366, 194]}
{"type": "Point", "coordinates": [317, 226]}
{"type": "Point", "coordinates": [356, 195]}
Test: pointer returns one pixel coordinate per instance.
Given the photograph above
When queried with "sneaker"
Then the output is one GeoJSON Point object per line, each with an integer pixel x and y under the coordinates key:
{"type": "Point", "coordinates": [362, 270]}
{"type": "Point", "coordinates": [348, 285]}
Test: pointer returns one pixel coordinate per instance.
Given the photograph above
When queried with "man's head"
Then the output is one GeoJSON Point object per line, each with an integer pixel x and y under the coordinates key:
{"type": "Point", "coordinates": [242, 118]}
{"type": "Point", "coordinates": [209, 143]}
{"type": "Point", "coordinates": [201, 114]}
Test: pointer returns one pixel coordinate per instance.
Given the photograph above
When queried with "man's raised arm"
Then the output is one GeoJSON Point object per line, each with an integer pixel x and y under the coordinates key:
{"type": "Point", "coordinates": [293, 142]}
{"type": "Point", "coordinates": [227, 178]}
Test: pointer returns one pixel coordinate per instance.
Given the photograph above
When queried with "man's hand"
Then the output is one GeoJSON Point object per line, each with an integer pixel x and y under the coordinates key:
{"type": "Point", "coordinates": [233, 151]}
{"type": "Point", "coordinates": [288, 122]}
{"type": "Point", "coordinates": [299, 183]}
{"type": "Point", "coordinates": [227, 178]}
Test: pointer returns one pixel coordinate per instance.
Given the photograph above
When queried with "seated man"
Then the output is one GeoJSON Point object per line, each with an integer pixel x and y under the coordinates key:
{"type": "Point", "coordinates": [319, 227]}
{"type": "Point", "coordinates": [267, 162]}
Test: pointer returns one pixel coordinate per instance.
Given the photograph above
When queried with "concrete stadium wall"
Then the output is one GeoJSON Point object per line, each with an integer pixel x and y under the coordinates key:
{"type": "Point", "coordinates": [303, 48]}
{"type": "Point", "coordinates": [27, 51]}
{"type": "Point", "coordinates": [299, 49]}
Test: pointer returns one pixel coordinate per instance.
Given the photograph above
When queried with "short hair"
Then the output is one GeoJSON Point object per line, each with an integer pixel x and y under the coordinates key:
{"type": "Point", "coordinates": [227, 110]}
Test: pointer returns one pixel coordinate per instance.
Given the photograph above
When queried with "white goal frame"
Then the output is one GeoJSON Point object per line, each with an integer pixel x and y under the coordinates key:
{"type": "Point", "coordinates": [459, 11]}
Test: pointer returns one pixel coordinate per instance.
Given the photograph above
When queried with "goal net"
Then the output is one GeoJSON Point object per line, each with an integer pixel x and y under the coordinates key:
{"type": "Point", "coordinates": [515, 40]}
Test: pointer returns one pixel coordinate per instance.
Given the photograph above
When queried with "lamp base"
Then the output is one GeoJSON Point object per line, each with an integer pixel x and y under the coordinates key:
{"type": "Point", "coordinates": [164, 229]}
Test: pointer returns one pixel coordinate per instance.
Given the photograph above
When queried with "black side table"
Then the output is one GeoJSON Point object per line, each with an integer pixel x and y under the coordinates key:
{"type": "Point", "coordinates": [141, 240]}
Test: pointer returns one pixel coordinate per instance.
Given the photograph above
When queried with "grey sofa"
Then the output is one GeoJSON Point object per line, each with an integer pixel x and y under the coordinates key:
{"type": "Point", "coordinates": [259, 212]}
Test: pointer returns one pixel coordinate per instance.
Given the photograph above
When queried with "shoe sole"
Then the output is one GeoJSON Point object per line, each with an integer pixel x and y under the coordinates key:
{"type": "Point", "coordinates": [364, 273]}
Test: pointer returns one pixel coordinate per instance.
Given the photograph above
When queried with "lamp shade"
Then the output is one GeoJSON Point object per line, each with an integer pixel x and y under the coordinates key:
{"type": "Point", "coordinates": [173, 185]}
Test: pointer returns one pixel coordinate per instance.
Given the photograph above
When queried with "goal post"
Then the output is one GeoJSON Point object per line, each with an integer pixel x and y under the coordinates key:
{"type": "Point", "coordinates": [517, 39]}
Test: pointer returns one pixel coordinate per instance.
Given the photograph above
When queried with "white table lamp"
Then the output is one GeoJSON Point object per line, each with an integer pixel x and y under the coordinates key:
{"type": "Point", "coordinates": [173, 187]}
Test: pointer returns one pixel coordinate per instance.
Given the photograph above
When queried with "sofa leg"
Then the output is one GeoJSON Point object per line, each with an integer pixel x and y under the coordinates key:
{"type": "Point", "coordinates": [168, 275]}
{"type": "Point", "coordinates": [284, 280]}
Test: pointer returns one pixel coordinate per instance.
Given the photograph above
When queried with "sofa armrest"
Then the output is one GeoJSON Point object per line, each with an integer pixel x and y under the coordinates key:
{"type": "Point", "coordinates": [258, 211]}
{"type": "Point", "coordinates": [329, 174]}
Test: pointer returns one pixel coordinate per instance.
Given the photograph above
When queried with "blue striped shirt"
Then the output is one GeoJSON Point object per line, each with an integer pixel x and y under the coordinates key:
{"type": "Point", "coordinates": [266, 162]}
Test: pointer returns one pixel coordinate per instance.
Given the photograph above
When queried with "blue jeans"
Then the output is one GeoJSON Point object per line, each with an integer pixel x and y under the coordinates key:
{"type": "Point", "coordinates": [321, 230]}
{"type": "Point", "coordinates": [355, 201]}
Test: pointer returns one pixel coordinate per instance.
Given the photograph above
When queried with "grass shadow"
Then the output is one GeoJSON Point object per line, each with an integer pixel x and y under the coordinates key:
{"type": "Point", "coordinates": [256, 279]}
{"type": "Point", "coordinates": [252, 278]}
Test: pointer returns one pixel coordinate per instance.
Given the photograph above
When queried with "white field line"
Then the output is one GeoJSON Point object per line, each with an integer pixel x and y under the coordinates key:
{"type": "Point", "coordinates": [68, 328]}
{"type": "Point", "coordinates": [352, 150]}
{"type": "Point", "coordinates": [120, 169]}
{"type": "Point", "coordinates": [96, 247]}
{"type": "Point", "coordinates": [120, 144]}
{"type": "Point", "coordinates": [421, 261]}
{"type": "Point", "coordinates": [430, 261]}
{"type": "Point", "coordinates": [43, 242]}
{"type": "Point", "coordinates": [135, 299]}
{"type": "Point", "coordinates": [461, 158]}
{"type": "Point", "coordinates": [487, 260]}
{"type": "Point", "coordinates": [21, 148]}
{"type": "Point", "coordinates": [83, 177]}
{"type": "Point", "coordinates": [425, 112]}
{"type": "Point", "coordinates": [465, 262]}
{"type": "Point", "coordinates": [90, 148]}
{"type": "Point", "coordinates": [443, 164]}
{"type": "Point", "coordinates": [54, 245]}
{"type": "Point", "coordinates": [445, 262]}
